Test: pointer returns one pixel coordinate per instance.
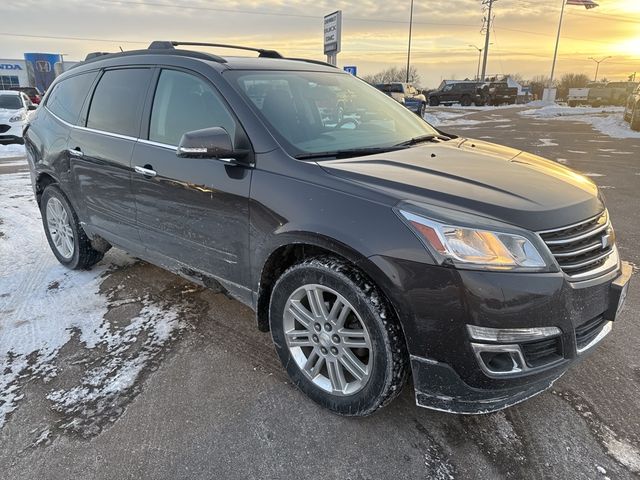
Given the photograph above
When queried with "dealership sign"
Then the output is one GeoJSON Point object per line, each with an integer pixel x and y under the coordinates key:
{"type": "Point", "coordinates": [10, 66]}
{"type": "Point", "coordinates": [332, 32]}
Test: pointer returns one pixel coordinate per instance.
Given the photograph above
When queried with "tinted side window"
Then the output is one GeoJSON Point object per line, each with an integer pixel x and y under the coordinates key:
{"type": "Point", "coordinates": [117, 101]}
{"type": "Point", "coordinates": [183, 103]}
{"type": "Point", "coordinates": [67, 97]}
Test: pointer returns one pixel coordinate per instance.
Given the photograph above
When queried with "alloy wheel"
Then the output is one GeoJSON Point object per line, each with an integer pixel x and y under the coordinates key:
{"type": "Point", "coordinates": [59, 228]}
{"type": "Point", "coordinates": [328, 340]}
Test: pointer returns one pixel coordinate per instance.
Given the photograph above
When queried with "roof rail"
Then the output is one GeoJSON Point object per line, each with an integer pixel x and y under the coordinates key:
{"type": "Point", "coordinates": [160, 44]}
{"type": "Point", "coordinates": [316, 62]}
{"type": "Point", "coordinates": [94, 55]}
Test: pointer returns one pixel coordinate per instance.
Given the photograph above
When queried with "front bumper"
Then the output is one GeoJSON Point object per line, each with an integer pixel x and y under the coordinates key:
{"type": "Point", "coordinates": [447, 364]}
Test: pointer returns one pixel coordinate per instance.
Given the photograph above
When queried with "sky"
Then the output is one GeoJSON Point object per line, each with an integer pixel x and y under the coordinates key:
{"type": "Point", "coordinates": [375, 32]}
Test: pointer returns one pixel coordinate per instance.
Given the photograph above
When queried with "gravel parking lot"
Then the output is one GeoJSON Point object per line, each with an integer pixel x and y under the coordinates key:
{"type": "Point", "coordinates": [128, 371]}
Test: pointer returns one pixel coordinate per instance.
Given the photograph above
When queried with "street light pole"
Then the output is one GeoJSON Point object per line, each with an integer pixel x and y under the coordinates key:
{"type": "Point", "coordinates": [409, 46]}
{"type": "Point", "coordinates": [479, 58]}
{"type": "Point", "coordinates": [598, 62]}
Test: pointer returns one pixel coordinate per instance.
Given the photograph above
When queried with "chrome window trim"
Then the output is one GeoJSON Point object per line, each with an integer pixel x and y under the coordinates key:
{"type": "Point", "coordinates": [92, 130]}
{"type": "Point", "coordinates": [158, 144]}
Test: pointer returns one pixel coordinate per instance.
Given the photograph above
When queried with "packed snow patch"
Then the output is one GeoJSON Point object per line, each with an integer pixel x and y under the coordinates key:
{"type": "Point", "coordinates": [43, 306]}
{"type": "Point", "coordinates": [606, 120]}
{"type": "Point", "coordinates": [12, 150]}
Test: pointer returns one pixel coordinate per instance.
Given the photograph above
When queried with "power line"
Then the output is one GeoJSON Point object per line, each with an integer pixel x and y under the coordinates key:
{"type": "Point", "coordinates": [84, 39]}
{"type": "Point", "coordinates": [276, 14]}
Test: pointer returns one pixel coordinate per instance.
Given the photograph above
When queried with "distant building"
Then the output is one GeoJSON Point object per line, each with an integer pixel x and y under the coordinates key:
{"type": "Point", "coordinates": [38, 72]}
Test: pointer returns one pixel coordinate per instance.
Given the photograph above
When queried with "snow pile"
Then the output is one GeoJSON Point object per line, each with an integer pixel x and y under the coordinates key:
{"type": "Point", "coordinates": [12, 150]}
{"type": "Point", "coordinates": [43, 306]}
{"type": "Point", "coordinates": [606, 120]}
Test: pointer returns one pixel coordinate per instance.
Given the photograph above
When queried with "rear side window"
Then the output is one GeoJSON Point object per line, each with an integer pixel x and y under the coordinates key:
{"type": "Point", "coordinates": [67, 97]}
{"type": "Point", "coordinates": [117, 101]}
{"type": "Point", "coordinates": [184, 103]}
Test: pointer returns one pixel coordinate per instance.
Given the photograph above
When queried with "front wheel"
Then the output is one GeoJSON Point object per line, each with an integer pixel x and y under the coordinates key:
{"type": "Point", "coordinates": [337, 338]}
{"type": "Point", "coordinates": [422, 109]}
{"type": "Point", "coordinates": [434, 101]}
{"type": "Point", "coordinates": [67, 239]}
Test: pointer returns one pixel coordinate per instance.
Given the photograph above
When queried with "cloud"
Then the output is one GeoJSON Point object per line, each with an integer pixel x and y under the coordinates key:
{"type": "Point", "coordinates": [374, 32]}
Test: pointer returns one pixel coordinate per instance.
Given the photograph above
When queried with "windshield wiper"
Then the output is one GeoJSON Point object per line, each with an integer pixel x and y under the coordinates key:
{"type": "Point", "coordinates": [352, 152]}
{"type": "Point", "coordinates": [416, 140]}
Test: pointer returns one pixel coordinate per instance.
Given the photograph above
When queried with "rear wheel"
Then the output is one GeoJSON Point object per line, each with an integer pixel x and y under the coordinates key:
{"type": "Point", "coordinates": [422, 109]}
{"type": "Point", "coordinates": [338, 340]}
{"type": "Point", "coordinates": [67, 239]}
{"type": "Point", "coordinates": [465, 101]}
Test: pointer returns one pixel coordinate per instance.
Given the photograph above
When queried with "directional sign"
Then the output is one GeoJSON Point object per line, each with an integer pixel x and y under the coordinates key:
{"type": "Point", "coordinates": [352, 69]}
{"type": "Point", "coordinates": [332, 32]}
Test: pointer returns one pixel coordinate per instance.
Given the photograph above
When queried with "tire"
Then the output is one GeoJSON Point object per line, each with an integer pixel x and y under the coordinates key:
{"type": "Point", "coordinates": [635, 118]}
{"type": "Point", "coordinates": [479, 103]}
{"type": "Point", "coordinates": [333, 379]}
{"type": "Point", "coordinates": [434, 101]}
{"type": "Point", "coordinates": [421, 110]}
{"type": "Point", "coordinates": [67, 239]}
{"type": "Point", "coordinates": [465, 101]}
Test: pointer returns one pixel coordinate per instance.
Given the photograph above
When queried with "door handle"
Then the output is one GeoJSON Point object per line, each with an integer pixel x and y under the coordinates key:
{"type": "Point", "coordinates": [146, 171]}
{"type": "Point", "coordinates": [75, 152]}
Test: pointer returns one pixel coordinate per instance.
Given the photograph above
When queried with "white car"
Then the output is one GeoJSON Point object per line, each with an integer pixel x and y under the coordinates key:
{"type": "Point", "coordinates": [14, 110]}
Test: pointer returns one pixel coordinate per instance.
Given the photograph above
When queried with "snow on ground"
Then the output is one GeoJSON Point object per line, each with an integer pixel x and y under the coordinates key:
{"type": "Point", "coordinates": [606, 120]}
{"type": "Point", "coordinates": [43, 306]}
{"type": "Point", "coordinates": [11, 150]}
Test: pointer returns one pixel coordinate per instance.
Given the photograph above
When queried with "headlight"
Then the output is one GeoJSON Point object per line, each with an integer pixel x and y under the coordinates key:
{"type": "Point", "coordinates": [473, 247]}
{"type": "Point", "coordinates": [20, 117]}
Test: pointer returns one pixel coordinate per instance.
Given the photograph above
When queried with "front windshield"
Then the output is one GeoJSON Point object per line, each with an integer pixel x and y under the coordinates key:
{"type": "Point", "coordinates": [316, 112]}
{"type": "Point", "coordinates": [10, 102]}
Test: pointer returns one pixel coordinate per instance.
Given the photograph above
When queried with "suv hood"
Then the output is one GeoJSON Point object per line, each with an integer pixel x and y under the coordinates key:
{"type": "Point", "coordinates": [480, 178]}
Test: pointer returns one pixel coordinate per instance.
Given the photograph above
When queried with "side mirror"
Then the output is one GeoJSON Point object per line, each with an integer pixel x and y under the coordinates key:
{"type": "Point", "coordinates": [212, 142]}
{"type": "Point", "coordinates": [32, 107]}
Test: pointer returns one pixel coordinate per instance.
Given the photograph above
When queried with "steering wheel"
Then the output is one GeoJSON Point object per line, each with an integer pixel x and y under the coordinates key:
{"type": "Point", "coordinates": [345, 121]}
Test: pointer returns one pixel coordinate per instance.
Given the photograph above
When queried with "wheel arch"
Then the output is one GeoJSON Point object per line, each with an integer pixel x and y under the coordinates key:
{"type": "Point", "coordinates": [43, 180]}
{"type": "Point", "coordinates": [294, 251]}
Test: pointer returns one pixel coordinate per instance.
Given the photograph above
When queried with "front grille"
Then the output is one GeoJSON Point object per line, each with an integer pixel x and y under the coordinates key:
{"type": "Point", "coordinates": [4, 128]}
{"type": "Point", "coordinates": [582, 247]}
{"type": "Point", "coordinates": [542, 352]}
{"type": "Point", "coordinates": [589, 330]}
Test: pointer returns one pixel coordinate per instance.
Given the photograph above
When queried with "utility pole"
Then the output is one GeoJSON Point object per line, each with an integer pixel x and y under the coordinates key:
{"type": "Point", "coordinates": [486, 37]}
{"type": "Point", "coordinates": [598, 62]}
{"type": "Point", "coordinates": [409, 46]}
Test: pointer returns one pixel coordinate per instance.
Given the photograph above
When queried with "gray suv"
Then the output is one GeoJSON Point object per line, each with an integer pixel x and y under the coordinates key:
{"type": "Point", "coordinates": [372, 246]}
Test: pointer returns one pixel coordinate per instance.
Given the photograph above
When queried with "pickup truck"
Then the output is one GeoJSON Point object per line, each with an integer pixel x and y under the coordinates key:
{"type": "Point", "coordinates": [463, 92]}
{"type": "Point", "coordinates": [613, 93]}
{"type": "Point", "coordinates": [499, 93]}
{"type": "Point", "coordinates": [578, 96]}
{"type": "Point", "coordinates": [406, 94]}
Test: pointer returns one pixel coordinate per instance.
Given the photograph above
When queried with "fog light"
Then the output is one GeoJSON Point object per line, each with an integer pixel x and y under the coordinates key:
{"type": "Point", "coordinates": [511, 335]}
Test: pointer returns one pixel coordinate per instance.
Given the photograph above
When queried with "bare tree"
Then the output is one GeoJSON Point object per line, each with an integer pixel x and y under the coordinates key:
{"type": "Point", "coordinates": [571, 80]}
{"type": "Point", "coordinates": [393, 74]}
{"type": "Point", "coordinates": [538, 84]}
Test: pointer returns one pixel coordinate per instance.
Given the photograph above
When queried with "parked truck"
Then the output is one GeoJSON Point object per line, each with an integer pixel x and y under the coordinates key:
{"type": "Point", "coordinates": [613, 93]}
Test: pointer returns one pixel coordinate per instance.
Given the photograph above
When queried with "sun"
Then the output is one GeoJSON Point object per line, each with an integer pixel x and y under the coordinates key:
{"type": "Point", "coordinates": [629, 47]}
